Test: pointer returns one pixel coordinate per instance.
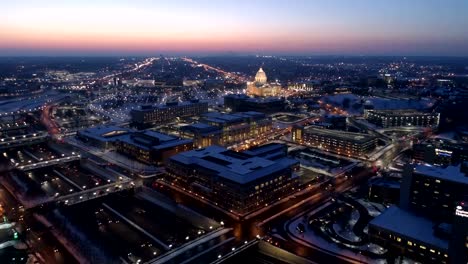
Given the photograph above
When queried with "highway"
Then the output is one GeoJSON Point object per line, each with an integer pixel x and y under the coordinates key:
{"type": "Point", "coordinates": [275, 217]}
{"type": "Point", "coordinates": [111, 233]}
{"type": "Point", "coordinates": [218, 70]}
{"type": "Point", "coordinates": [170, 229]}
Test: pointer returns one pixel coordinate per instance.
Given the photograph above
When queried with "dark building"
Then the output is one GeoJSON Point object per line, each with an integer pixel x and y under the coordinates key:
{"type": "Point", "coordinates": [444, 153]}
{"type": "Point", "coordinates": [244, 103]}
{"type": "Point", "coordinates": [336, 121]}
{"type": "Point", "coordinates": [433, 190]}
{"type": "Point", "coordinates": [226, 129]}
{"type": "Point", "coordinates": [102, 136]}
{"type": "Point", "coordinates": [384, 190]}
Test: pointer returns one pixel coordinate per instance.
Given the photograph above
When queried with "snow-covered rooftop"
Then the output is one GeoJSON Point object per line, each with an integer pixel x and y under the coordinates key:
{"type": "Point", "coordinates": [414, 228]}
{"type": "Point", "coordinates": [449, 173]}
{"type": "Point", "coordinates": [237, 167]}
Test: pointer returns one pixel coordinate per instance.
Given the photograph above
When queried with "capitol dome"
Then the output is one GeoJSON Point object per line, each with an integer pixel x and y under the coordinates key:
{"type": "Point", "coordinates": [260, 77]}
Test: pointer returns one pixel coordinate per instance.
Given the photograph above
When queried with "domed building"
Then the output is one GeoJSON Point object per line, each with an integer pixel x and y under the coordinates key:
{"type": "Point", "coordinates": [260, 87]}
{"type": "Point", "coordinates": [261, 77]}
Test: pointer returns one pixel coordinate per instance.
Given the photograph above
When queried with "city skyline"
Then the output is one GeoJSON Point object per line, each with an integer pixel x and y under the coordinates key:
{"type": "Point", "coordinates": [421, 28]}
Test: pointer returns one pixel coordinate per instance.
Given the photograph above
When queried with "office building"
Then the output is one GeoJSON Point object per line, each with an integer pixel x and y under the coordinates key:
{"type": "Point", "coordinates": [151, 147]}
{"type": "Point", "coordinates": [103, 137]}
{"type": "Point", "coordinates": [404, 233]}
{"type": "Point", "coordinates": [340, 142]}
{"type": "Point", "coordinates": [227, 129]}
{"type": "Point", "coordinates": [148, 115]}
{"type": "Point", "coordinates": [433, 190]}
{"type": "Point", "coordinates": [431, 223]}
{"type": "Point", "coordinates": [401, 118]}
{"type": "Point", "coordinates": [238, 182]}
{"type": "Point", "coordinates": [203, 135]}
{"type": "Point", "coordinates": [440, 153]}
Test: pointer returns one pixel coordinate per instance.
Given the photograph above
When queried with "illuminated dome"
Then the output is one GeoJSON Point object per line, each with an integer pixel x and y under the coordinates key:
{"type": "Point", "coordinates": [260, 77]}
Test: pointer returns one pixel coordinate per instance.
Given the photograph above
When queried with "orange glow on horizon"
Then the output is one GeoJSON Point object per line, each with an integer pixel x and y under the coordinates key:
{"type": "Point", "coordinates": [186, 26]}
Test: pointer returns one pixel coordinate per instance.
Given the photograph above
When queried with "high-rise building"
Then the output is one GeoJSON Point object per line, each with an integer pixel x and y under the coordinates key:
{"type": "Point", "coordinates": [433, 190]}
{"type": "Point", "coordinates": [440, 153]}
{"type": "Point", "coordinates": [431, 223]}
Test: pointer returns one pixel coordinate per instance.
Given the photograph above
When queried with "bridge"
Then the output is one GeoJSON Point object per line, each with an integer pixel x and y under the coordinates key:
{"type": "Point", "coordinates": [94, 193]}
{"type": "Point", "coordinates": [85, 195]}
{"type": "Point", "coordinates": [24, 140]}
{"type": "Point", "coordinates": [47, 163]}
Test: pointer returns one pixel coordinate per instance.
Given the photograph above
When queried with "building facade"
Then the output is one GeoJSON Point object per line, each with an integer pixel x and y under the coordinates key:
{"type": "Point", "coordinates": [433, 190]}
{"type": "Point", "coordinates": [147, 115]}
{"type": "Point", "coordinates": [260, 87]}
{"type": "Point", "coordinates": [430, 225]}
{"type": "Point", "coordinates": [152, 147]}
{"type": "Point", "coordinates": [302, 86]}
{"type": "Point", "coordinates": [227, 129]}
{"type": "Point", "coordinates": [445, 153]}
{"type": "Point", "coordinates": [401, 118]}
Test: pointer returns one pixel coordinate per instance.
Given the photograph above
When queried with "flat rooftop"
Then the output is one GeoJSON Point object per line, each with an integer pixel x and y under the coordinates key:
{"type": "Point", "coordinates": [201, 128]}
{"type": "Point", "coordinates": [104, 133]}
{"type": "Point", "coordinates": [238, 167]}
{"type": "Point", "coordinates": [232, 117]}
{"type": "Point", "coordinates": [339, 134]}
{"type": "Point", "coordinates": [401, 112]}
{"type": "Point", "coordinates": [385, 183]}
{"type": "Point", "coordinates": [415, 228]}
{"type": "Point", "coordinates": [264, 149]}
{"type": "Point", "coordinates": [449, 173]}
{"type": "Point", "coordinates": [150, 139]}
{"type": "Point", "coordinates": [255, 99]}
{"type": "Point", "coordinates": [147, 108]}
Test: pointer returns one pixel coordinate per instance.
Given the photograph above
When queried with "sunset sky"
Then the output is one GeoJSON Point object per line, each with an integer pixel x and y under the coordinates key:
{"type": "Point", "coordinates": [311, 27]}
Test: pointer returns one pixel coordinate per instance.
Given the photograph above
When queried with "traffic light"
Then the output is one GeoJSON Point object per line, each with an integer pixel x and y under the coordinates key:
{"type": "Point", "coordinates": [15, 235]}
